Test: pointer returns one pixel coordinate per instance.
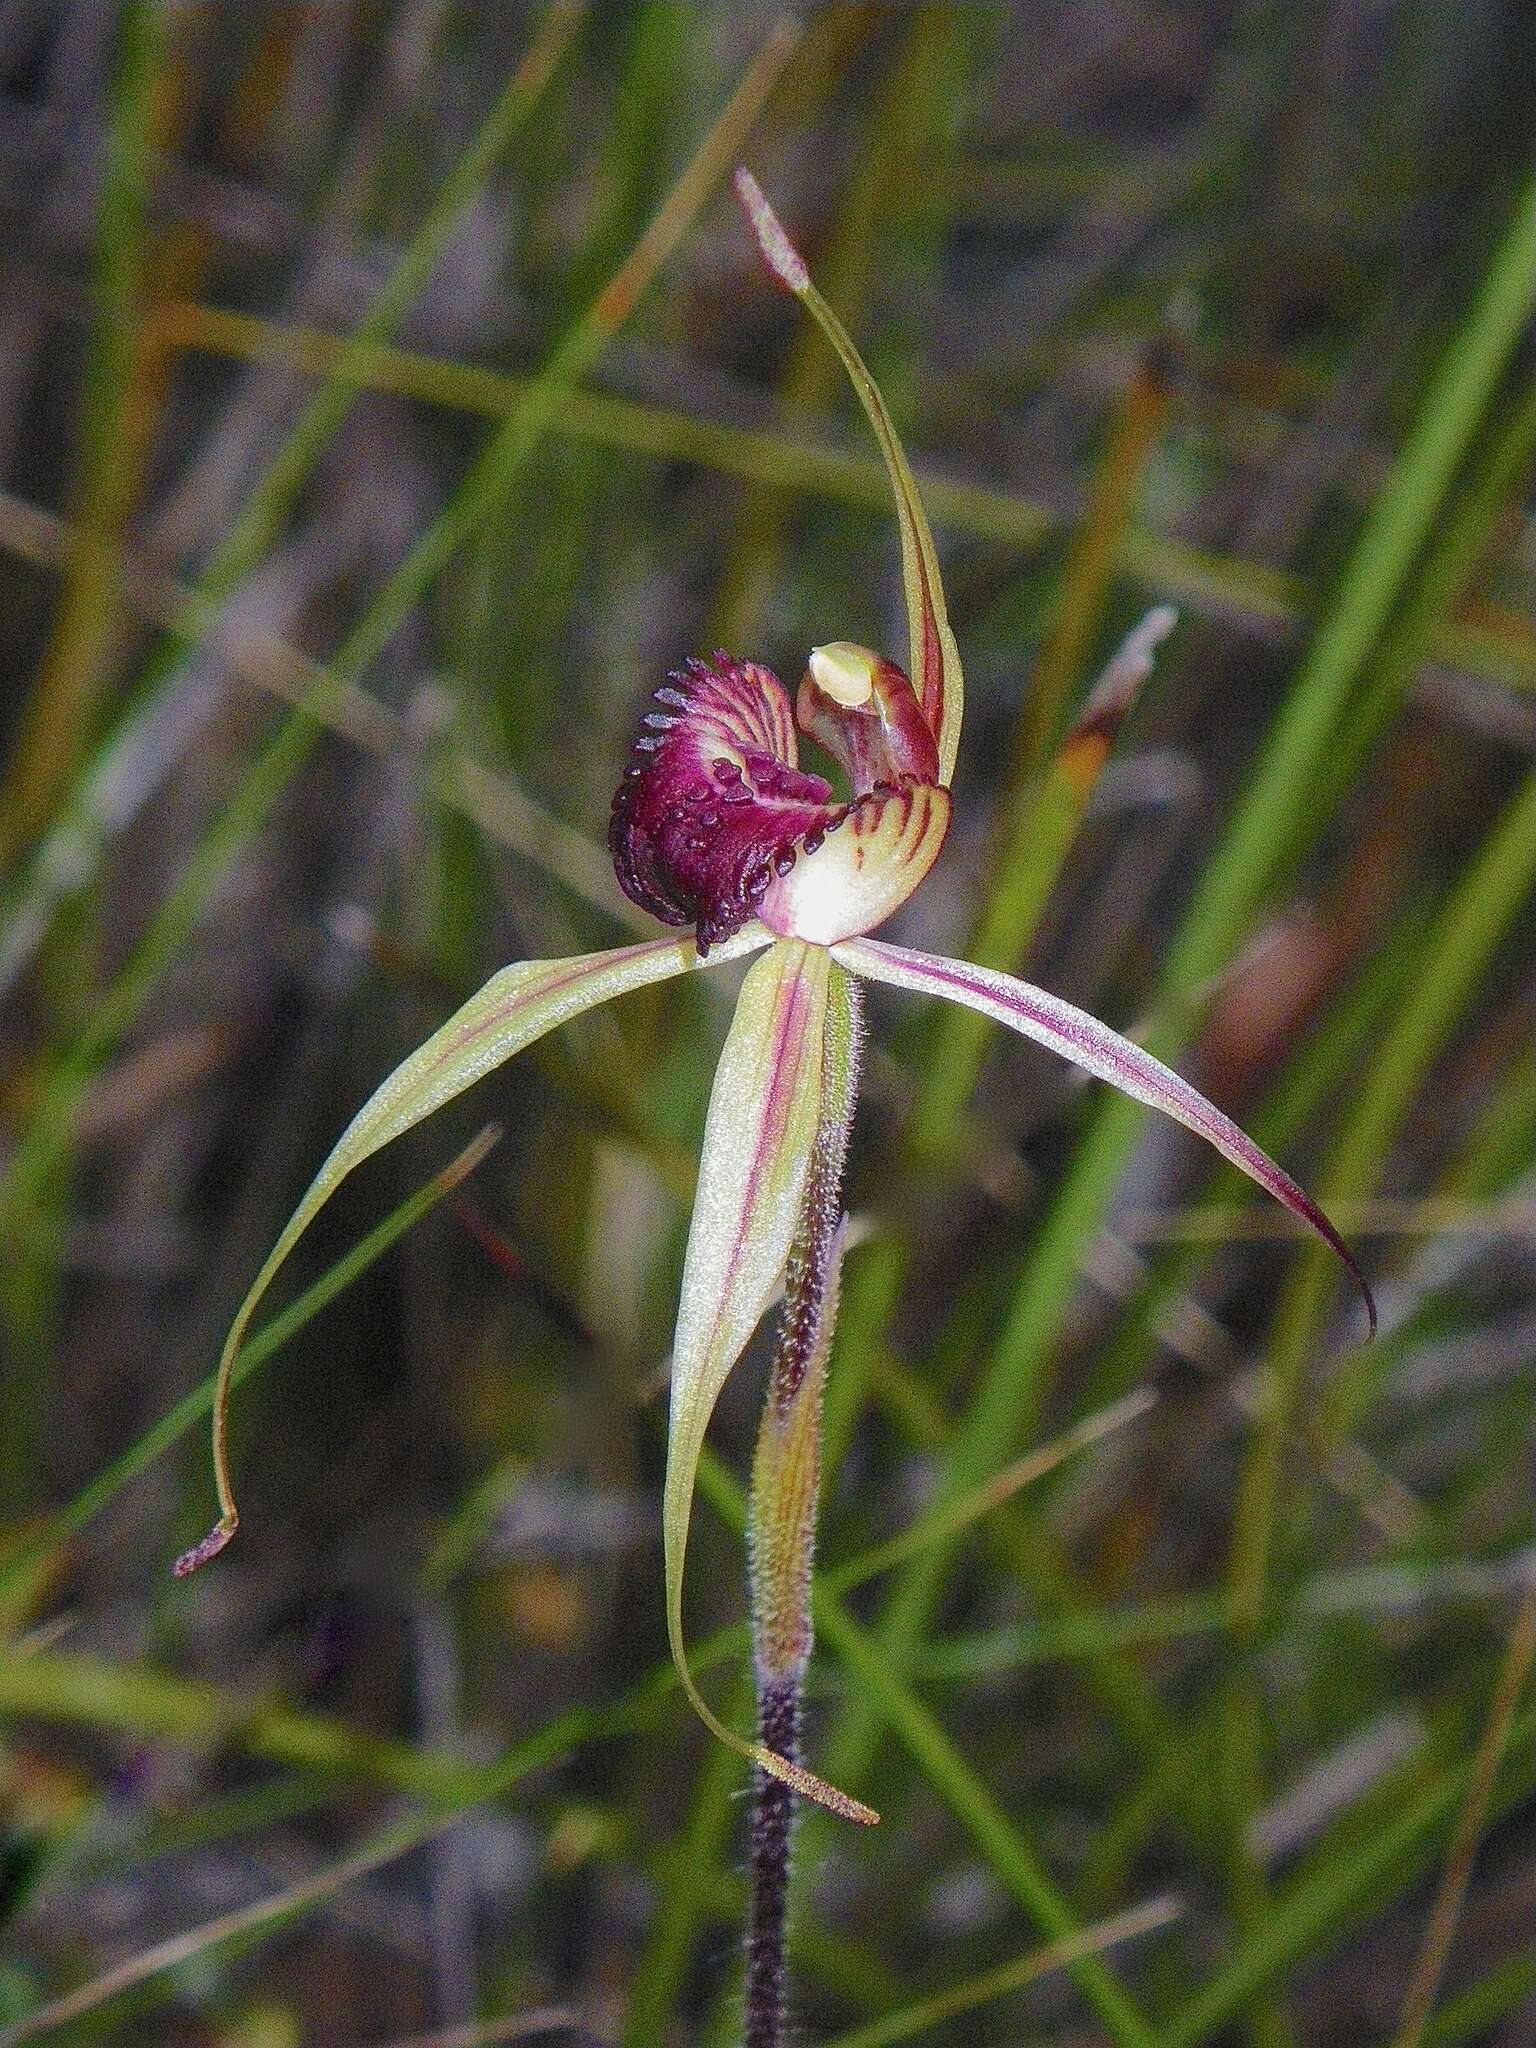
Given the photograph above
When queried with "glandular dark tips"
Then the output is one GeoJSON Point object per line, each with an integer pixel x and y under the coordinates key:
{"type": "Point", "coordinates": [204, 1552]}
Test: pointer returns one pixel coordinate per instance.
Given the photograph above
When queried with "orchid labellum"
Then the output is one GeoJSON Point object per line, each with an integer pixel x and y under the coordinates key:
{"type": "Point", "coordinates": [720, 832]}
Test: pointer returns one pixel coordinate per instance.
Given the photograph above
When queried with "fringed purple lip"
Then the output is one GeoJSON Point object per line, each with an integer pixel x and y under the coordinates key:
{"type": "Point", "coordinates": [714, 812]}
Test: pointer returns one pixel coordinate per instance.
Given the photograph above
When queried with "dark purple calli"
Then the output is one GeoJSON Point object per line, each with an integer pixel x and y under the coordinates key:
{"type": "Point", "coordinates": [712, 806]}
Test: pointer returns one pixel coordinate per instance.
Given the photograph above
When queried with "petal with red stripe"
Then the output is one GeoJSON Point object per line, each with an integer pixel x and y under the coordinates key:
{"type": "Point", "coordinates": [1098, 1050]}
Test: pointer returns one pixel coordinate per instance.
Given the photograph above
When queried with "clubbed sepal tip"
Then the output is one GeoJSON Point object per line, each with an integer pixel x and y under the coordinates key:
{"type": "Point", "coordinates": [205, 1551]}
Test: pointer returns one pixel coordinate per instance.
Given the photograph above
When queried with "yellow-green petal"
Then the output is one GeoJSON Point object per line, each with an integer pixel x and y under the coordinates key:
{"type": "Point", "coordinates": [764, 1112]}
{"type": "Point", "coordinates": [514, 1008]}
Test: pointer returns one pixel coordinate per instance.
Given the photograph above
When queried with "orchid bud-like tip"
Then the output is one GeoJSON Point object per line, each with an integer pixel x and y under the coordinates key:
{"type": "Point", "coordinates": [809, 1786]}
{"type": "Point", "coordinates": [204, 1552]}
{"type": "Point", "coordinates": [775, 247]}
{"type": "Point", "coordinates": [1370, 1304]}
{"type": "Point", "coordinates": [844, 672]}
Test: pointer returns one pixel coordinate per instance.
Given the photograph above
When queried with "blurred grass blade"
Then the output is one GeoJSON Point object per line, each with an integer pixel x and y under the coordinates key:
{"type": "Point", "coordinates": [1317, 1909]}
{"type": "Point", "coordinates": [63, 1687]}
{"type": "Point", "coordinates": [1419, 1998]}
{"type": "Point", "coordinates": [1043, 826]}
{"type": "Point", "coordinates": [67, 856]}
{"type": "Point", "coordinates": [1001, 1983]}
{"type": "Point", "coordinates": [1443, 583]}
{"type": "Point", "coordinates": [949, 1520]}
{"type": "Point", "coordinates": [1472, 2014]}
{"type": "Point", "coordinates": [46, 1138]}
{"type": "Point", "coordinates": [18, 1566]}
{"type": "Point", "coordinates": [59, 711]}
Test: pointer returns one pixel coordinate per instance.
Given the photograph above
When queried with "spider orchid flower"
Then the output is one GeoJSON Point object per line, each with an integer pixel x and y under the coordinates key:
{"type": "Point", "coordinates": [716, 827]}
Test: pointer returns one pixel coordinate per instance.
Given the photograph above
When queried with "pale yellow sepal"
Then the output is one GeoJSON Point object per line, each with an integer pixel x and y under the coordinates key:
{"type": "Point", "coordinates": [514, 1008]}
{"type": "Point", "coordinates": [934, 664]}
{"type": "Point", "coordinates": [763, 1117]}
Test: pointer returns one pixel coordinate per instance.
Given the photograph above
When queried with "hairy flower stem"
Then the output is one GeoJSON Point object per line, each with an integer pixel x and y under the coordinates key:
{"type": "Point", "coordinates": [782, 1521]}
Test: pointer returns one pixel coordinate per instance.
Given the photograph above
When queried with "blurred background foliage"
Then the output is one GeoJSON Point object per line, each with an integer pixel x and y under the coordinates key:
{"type": "Point", "coordinates": [339, 367]}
